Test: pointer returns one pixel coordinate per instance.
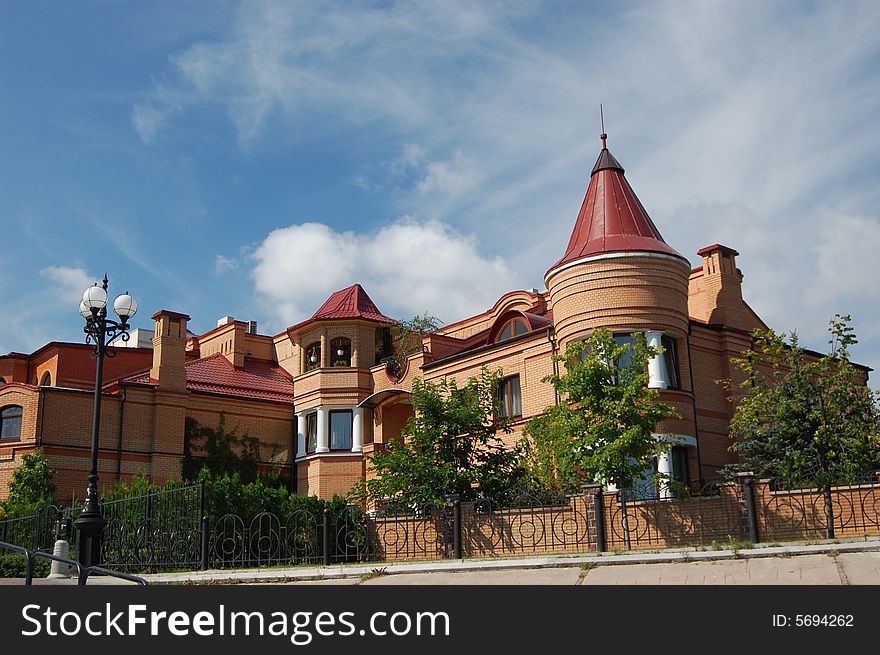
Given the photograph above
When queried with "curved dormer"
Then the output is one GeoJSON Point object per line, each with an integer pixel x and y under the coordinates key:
{"type": "Point", "coordinates": [525, 301]}
{"type": "Point", "coordinates": [514, 323]}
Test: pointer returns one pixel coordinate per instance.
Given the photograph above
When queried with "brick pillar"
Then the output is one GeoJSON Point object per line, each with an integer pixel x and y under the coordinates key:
{"type": "Point", "coordinates": [595, 512]}
{"type": "Point", "coordinates": [745, 491]}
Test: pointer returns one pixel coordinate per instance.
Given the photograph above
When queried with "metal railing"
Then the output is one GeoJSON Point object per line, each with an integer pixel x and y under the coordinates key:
{"type": "Point", "coordinates": [83, 573]}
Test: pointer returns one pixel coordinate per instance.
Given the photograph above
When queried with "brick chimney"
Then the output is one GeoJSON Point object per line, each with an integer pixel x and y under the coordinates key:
{"type": "Point", "coordinates": [169, 348]}
{"type": "Point", "coordinates": [716, 289]}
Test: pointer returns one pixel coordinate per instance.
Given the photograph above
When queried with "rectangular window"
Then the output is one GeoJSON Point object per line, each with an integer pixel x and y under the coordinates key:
{"type": "Point", "coordinates": [311, 432]}
{"type": "Point", "coordinates": [670, 356]}
{"type": "Point", "coordinates": [680, 470]}
{"type": "Point", "coordinates": [623, 362]}
{"type": "Point", "coordinates": [340, 430]}
{"type": "Point", "coordinates": [509, 397]}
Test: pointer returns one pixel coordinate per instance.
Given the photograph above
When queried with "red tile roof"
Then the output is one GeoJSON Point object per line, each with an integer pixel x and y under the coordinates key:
{"type": "Point", "coordinates": [349, 303]}
{"type": "Point", "coordinates": [611, 218]}
{"type": "Point", "coordinates": [259, 379]}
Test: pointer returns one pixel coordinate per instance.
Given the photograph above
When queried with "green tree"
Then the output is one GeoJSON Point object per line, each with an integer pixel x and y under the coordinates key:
{"type": "Point", "coordinates": [812, 421]}
{"type": "Point", "coordinates": [31, 487]}
{"type": "Point", "coordinates": [451, 446]}
{"type": "Point", "coordinates": [408, 339]}
{"type": "Point", "coordinates": [603, 428]}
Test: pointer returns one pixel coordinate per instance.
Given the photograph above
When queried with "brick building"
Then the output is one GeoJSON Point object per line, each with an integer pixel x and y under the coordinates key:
{"type": "Point", "coordinates": [320, 398]}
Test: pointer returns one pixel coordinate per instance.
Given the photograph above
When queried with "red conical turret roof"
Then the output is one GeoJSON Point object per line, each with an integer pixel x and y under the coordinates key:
{"type": "Point", "coordinates": [349, 303]}
{"type": "Point", "coordinates": [352, 302]}
{"type": "Point", "coordinates": [612, 219]}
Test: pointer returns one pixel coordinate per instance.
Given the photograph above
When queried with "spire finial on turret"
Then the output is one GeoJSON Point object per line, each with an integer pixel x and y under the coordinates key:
{"type": "Point", "coordinates": [602, 136]}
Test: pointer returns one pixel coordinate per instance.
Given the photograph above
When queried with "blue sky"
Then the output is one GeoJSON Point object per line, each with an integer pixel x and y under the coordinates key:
{"type": "Point", "coordinates": [249, 158]}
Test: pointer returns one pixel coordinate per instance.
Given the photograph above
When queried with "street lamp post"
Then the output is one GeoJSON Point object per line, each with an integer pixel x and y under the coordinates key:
{"type": "Point", "coordinates": [99, 331]}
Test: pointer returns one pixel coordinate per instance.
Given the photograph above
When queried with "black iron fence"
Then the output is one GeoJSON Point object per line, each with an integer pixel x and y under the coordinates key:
{"type": "Point", "coordinates": [528, 526]}
{"type": "Point", "coordinates": [709, 515]}
{"type": "Point", "coordinates": [783, 514]}
{"type": "Point", "coordinates": [35, 532]}
{"type": "Point", "coordinates": [157, 531]}
{"type": "Point", "coordinates": [169, 530]}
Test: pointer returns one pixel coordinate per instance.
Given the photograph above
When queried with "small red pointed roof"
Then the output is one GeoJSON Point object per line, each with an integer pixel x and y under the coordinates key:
{"type": "Point", "coordinates": [349, 303]}
{"type": "Point", "coordinates": [611, 218]}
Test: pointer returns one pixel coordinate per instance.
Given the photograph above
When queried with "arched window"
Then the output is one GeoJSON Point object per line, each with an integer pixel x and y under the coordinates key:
{"type": "Point", "coordinates": [2, 381]}
{"type": "Point", "coordinates": [340, 352]}
{"type": "Point", "coordinates": [513, 328]}
{"type": "Point", "coordinates": [10, 422]}
{"type": "Point", "coordinates": [46, 380]}
{"type": "Point", "coordinates": [313, 356]}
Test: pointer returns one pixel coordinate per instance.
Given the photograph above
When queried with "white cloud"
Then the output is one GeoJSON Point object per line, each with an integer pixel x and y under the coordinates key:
{"type": "Point", "coordinates": [52, 308]}
{"type": "Point", "coordinates": [223, 264]}
{"type": "Point", "coordinates": [454, 177]}
{"type": "Point", "coordinates": [848, 259]}
{"type": "Point", "coordinates": [68, 283]}
{"type": "Point", "coordinates": [408, 267]}
{"type": "Point", "coordinates": [411, 157]}
{"type": "Point", "coordinates": [147, 121]}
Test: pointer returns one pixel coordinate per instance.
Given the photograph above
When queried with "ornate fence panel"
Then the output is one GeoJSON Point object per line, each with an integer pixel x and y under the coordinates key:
{"type": "Point", "coordinates": [265, 540]}
{"type": "Point", "coordinates": [527, 526]}
{"type": "Point", "coordinates": [161, 530]}
{"type": "Point", "coordinates": [350, 536]}
{"type": "Point", "coordinates": [802, 514]}
{"type": "Point", "coordinates": [407, 533]}
{"type": "Point", "coordinates": [712, 515]}
{"type": "Point", "coordinates": [34, 532]}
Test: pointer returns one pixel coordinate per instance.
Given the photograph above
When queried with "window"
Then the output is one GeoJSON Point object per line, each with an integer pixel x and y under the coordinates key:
{"type": "Point", "coordinates": [509, 397]}
{"type": "Point", "coordinates": [340, 430]}
{"type": "Point", "coordinates": [624, 340]}
{"type": "Point", "coordinates": [311, 432]}
{"type": "Point", "coordinates": [680, 470]}
{"type": "Point", "coordinates": [2, 381]}
{"type": "Point", "coordinates": [384, 345]}
{"type": "Point", "coordinates": [670, 356]}
{"type": "Point", "coordinates": [340, 352]}
{"type": "Point", "coordinates": [313, 356]}
{"type": "Point", "coordinates": [623, 362]}
{"type": "Point", "coordinates": [46, 380]}
{"type": "Point", "coordinates": [10, 422]}
{"type": "Point", "coordinates": [513, 328]}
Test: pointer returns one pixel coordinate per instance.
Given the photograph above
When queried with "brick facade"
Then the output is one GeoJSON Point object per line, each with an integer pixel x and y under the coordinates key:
{"type": "Point", "coordinates": [617, 273]}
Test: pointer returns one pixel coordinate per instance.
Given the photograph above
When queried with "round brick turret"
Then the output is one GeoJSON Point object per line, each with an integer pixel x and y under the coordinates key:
{"type": "Point", "coordinates": [619, 291]}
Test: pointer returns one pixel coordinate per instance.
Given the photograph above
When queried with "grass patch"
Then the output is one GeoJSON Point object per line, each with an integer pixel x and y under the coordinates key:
{"type": "Point", "coordinates": [374, 573]}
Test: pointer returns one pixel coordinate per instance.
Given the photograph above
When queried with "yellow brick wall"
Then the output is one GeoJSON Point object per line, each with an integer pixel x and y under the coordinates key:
{"type": "Point", "coordinates": [619, 294]}
{"type": "Point", "coordinates": [329, 475]}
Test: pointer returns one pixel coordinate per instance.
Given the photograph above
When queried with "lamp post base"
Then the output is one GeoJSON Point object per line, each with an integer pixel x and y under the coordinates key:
{"type": "Point", "coordinates": [89, 531]}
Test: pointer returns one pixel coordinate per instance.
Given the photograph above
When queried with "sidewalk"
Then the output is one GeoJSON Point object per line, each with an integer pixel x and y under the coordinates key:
{"type": "Point", "coordinates": [855, 562]}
